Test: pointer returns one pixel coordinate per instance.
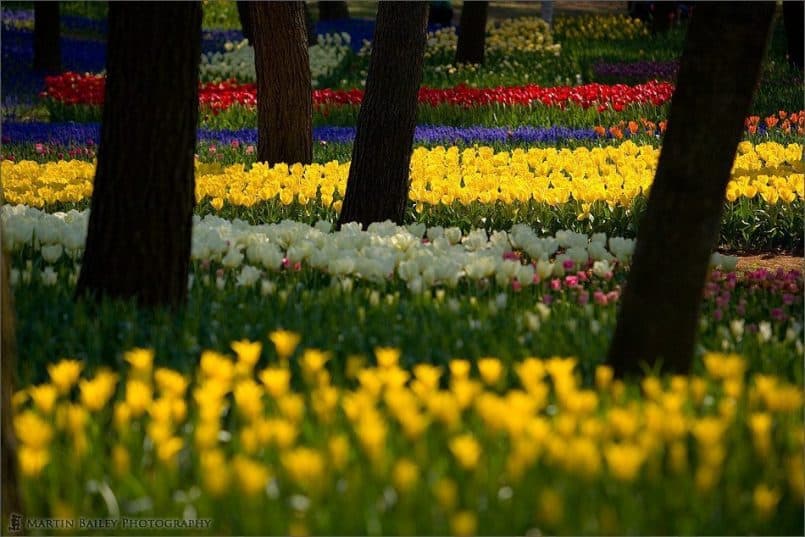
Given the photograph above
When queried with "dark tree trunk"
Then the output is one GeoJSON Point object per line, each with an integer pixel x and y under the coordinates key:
{"type": "Point", "coordinates": [720, 66]}
{"type": "Point", "coordinates": [8, 360]}
{"type": "Point", "coordinates": [310, 26]}
{"type": "Point", "coordinates": [794, 20]}
{"type": "Point", "coordinates": [333, 10]}
{"type": "Point", "coordinates": [47, 50]}
{"type": "Point", "coordinates": [284, 91]}
{"type": "Point", "coordinates": [377, 188]}
{"type": "Point", "coordinates": [661, 20]}
{"type": "Point", "coordinates": [138, 242]}
{"type": "Point", "coordinates": [244, 14]}
{"type": "Point", "coordinates": [472, 33]}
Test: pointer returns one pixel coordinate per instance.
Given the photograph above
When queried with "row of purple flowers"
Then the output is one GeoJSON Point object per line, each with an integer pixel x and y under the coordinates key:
{"type": "Point", "coordinates": [89, 133]}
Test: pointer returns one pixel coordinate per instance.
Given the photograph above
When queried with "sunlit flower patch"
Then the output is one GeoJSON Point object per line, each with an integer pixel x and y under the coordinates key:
{"type": "Point", "coordinates": [474, 447]}
{"type": "Point", "coordinates": [420, 257]}
{"type": "Point", "coordinates": [614, 175]}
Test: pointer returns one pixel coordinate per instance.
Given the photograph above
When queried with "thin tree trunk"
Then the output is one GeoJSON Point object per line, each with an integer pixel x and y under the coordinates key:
{"type": "Point", "coordinates": [138, 242]}
{"type": "Point", "coordinates": [377, 188]}
{"type": "Point", "coordinates": [720, 65]}
{"type": "Point", "coordinates": [472, 33]}
{"type": "Point", "coordinates": [47, 49]}
{"type": "Point", "coordinates": [284, 91]}
{"type": "Point", "coordinates": [333, 10]}
{"type": "Point", "coordinates": [8, 359]}
{"type": "Point", "coordinates": [794, 20]}
{"type": "Point", "coordinates": [244, 14]}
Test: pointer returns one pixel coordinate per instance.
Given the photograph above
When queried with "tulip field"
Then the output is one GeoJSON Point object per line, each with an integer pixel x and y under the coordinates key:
{"type": "Point", "coordinates": [447, 376]}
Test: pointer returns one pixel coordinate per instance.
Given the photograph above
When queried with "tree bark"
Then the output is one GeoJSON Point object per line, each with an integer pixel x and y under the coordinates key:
{"type": "Point", "coordinates": [47, 49]}
{"type": "Point", "coordinates": [8, 359]}
{"type": "Point", "coordinates": [794, 20]}
{"type": "Point", "coordinates": [284, 91]}
{"type": "Point", "coordinates": [720, 66]}
{"type": "Point", "coordinates": [333, 10]}
{"type": "Point", "coordinates": [138, 241]}
{"type": "Point", "coordinates": [472, 33]}
{"type": "Point", "coordinates": [244, 14]}
{"type": "Point", "coordinates": [377, 187]}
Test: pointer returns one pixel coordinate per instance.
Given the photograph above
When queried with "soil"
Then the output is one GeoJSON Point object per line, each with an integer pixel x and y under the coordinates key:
{"type": "Point", "coordinates": [771, 261]}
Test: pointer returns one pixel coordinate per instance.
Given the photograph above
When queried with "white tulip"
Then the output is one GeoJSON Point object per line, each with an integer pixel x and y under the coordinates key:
{"type": "Point", "coordinates": [52, 252]}
{"type": "Point", "coordinates": [49, 276]}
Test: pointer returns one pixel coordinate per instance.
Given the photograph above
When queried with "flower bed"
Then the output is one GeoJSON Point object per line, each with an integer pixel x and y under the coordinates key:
{"type": "Point", "coordinates": [615, 175]}
{"type": "Point", "coordinates": [489, 449]}
{"type": "Point", "coordinates": [598, 190]}
{"type": "Point", "coordinates": [513, 270]}
{"type": "Point", "coordinates": [67, 134]}
{"type": "Point", "coordinates": [781, 124]}
{"type": "Point", "coordinates": [420, 257]}
{"type": "Point", "coordinates": [586, 28]}
{"type": "Point", "coordinates": [636, 72]}
{"type": "Point", "coordinates": [400, 391]}
{"type": "Point", "coordinates": [87, 89]}
{"type": "Point", "coordinates": [327, 57]}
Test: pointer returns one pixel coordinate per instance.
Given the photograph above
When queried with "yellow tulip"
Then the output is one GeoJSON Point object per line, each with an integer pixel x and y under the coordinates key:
{"type": "Point", "coordinates": [44, 397]}
{"type": "Point", "coordinates": [285, 342]}
{"type": "Point", "coordinates": [65, 374]}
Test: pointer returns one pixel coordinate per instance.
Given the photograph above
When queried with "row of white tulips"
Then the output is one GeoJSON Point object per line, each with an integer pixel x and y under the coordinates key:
{"type": "Point", "coordinates": [422, 257]}
{"type": "Point", "coordinates": [237, 60]}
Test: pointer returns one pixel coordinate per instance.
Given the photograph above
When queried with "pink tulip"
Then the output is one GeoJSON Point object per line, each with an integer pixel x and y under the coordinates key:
{"type": "Point", "coordinates": [600, 298]}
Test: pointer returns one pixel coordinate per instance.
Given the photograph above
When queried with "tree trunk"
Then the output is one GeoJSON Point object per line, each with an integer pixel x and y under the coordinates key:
{"type": "Point", "coordinates": [47, 49]}
{"type": "Point", "coordinates": [377, 188]}
{"type": "Point", "coordinates": [333, 10]}
{"type": "Point", "coordinates": [794, 20]}
{"type": "Point", "coordinates": [472, 33]}
{"type": "Point", "coordinates": [720, 66]}
{"type": "Point", "coordinates": [284, 91]}
{"type": "Point", "coordinates": [8, 360]}
{"type": "Point", "coordinates": [138, 241]}
{"type": "Point", "coordinates": [244, 14]}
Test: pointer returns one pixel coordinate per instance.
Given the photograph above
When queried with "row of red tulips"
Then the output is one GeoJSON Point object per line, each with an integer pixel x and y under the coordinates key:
{"type": "Point", "coordinates": [88, 89]}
